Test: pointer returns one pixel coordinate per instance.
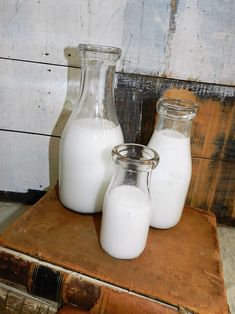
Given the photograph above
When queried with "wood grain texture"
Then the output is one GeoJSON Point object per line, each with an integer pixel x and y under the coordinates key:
{"type": "Point", "coordinates": [28, 161]}
{"type": "Point", "coordinates": [175, 267]}
{"type": "Point", "coordinates": [212, 188]}
{"type": "Point", "coordinates": [45, 32]}
{"type": "Point", "coordinates": [36, 98]}
{"type": "Point", "coordinates": [39, 79]}
{"type": "Point", "coordinates": [80, 292]}
{"type": "Point", "coordinates": [42, 102]}
{"type": "Point", "coordinates": [113, 302]}
{"type": "Point", "coordinates": [178, 39]}
{"type": "Point", "coordinates": [213, 128]}
{"type": "Point", "coordinates": [212, 138]}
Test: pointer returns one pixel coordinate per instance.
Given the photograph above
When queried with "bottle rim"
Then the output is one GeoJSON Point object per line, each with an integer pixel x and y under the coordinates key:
{"type": "Point", "coordinates": [100, 49]}
{"type": "Point", "coordinates": [135, 154]}
{"type": "Point", "coordinates": [176, 108]}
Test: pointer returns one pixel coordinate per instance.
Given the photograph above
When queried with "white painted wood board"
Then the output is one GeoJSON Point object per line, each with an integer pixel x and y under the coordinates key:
{"type": "Point", "coordinates": [189, 40]}
{"type": "Point", "coordinates": [184, 39]}
{"type": "Point", "coordinates": [27, 161]}
{"type": "Point", "coordinates": [36, 98]}
{"type": "Point", "coordinates": [47, 31]}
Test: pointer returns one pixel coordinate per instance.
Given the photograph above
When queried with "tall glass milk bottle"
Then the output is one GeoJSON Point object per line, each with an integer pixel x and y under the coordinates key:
{"type": "Point", "coordinates": [85, 162]}
{"type": "Point", "coordinates": [170, 181]}
{"type": "Point", "coordinates": [127, 206]}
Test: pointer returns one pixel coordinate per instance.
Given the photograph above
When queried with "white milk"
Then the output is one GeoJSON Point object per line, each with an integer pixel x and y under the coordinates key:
{"type": "Point", "coordinates": [170, 180]}
{"type": "Point", "coordinates": [86, 164]}
{"type": "Point", "coordinates": [125, 221]}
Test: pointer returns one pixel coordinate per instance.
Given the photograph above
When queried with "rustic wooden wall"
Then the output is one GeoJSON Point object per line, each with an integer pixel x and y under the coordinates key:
{"type": "Point", "coordinates": [173, 47]}
{"type": "Point", "coordinates": [212, 139]}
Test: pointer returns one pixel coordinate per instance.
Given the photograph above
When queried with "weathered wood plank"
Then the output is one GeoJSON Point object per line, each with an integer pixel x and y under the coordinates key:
{"type": "Point", "coordinates": [27, 161]}
{"type": "Point", "coordinates": [212, 139]}
{"type": "Point", "coordinates": [49, 32]}
{"type": "Point", "coordinates": [201, 41]}
{"type": "Point", "coordinates": [175, 38]}
{"type": "Point", "coordinates": [223, 202]}
{"type": "Point", "coordinates": [42, 101]}
{"type": "Point", "coordinates": [212, 188]}
{"type": "Point", "coordinates": [213, 128]}
{"type": "Point", "coordinates": [36, 97]}
{"type": "Point", "coordinates": [31, 162]}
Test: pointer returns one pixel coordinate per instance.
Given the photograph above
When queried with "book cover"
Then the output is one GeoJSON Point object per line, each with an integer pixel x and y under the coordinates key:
{"type": "Point", "coordinates": [16, 301]}
{"type": "Point", "coordinates": [59, 258]}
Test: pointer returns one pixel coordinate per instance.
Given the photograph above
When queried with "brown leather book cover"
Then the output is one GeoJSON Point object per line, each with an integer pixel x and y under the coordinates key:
{"type": "Point", "coordinates": [180, 267]}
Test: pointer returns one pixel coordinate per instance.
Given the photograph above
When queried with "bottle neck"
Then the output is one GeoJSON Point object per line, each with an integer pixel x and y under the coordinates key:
{"type": "Point", "coordinates": [181, 126]}
{"type": "Point", "coordinates": [97, 91]}
{"type": "Point", "coordinates": [127, 176]}
{"type": "Point", "coordinates": [134, 164]}
{"type": "Point", "coordinates": [175, 115]}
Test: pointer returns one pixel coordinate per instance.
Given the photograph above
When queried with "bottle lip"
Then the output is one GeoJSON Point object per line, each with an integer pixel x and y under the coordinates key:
{"type": "Point", "coordinates": [176, 108]}
{"type": "Point", "coordinates": [115, 51]}
{"type": "Point", "coordinates": [136, 154]}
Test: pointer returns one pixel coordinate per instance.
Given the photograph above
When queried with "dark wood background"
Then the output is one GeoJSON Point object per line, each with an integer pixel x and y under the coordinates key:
{"type": "Point", "coordinates": [212, 186]}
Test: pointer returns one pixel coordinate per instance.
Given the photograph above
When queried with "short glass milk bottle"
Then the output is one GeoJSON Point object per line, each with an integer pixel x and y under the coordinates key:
{"type": "Point", "coordinates": [170, 181]}
{"type": "Point", "coordinates": [126, 210]}
{"type": "Point", "coordinates": [85, 163]}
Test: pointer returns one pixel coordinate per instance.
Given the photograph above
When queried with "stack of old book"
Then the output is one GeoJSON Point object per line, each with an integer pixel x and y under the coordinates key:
{"type": "Point", "coordinates": [51, 260]}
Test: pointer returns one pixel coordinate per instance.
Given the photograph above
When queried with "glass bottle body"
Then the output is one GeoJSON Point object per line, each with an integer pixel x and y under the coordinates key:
{"type": "Point", "coordinates": [170, 182]}
{"type": "Point", "coordinates": [91, 132]}
{"type": "Point", "coordinates": [127, 206]}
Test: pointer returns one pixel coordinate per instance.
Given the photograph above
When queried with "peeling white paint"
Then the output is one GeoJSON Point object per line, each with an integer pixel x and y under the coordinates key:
{"type": "Point", "coordinates": [41, 31]}
{"type": "Point", "coordinates": [188, 54]}
{"type": "Point", "coordinates": [182, 39]}
{"type": "Point", "coordinates": [200, 46]}
{"type": "Point", "coordinates": [36, 98]}
{"type": "Point", "coordinates": [28, 161]}
{"type": "Point", "coordinates": [144, 36]}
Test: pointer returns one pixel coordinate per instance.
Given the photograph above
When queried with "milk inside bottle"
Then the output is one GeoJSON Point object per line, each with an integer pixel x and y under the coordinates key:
{"type": "Point", "coordinates": [85, 162]}
{"type": "Point", "coordinates": [170, 181]}
{"type": "Point", "coordinates": [126, 209]}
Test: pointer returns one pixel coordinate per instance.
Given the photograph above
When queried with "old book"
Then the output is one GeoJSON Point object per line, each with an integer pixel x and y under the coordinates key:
{"type": "Point", "coordinates": [18, 302]}
{"type": "Point", "coordinates": [54, 253]}
{"type": "Point", "coordinates": [55, 283]}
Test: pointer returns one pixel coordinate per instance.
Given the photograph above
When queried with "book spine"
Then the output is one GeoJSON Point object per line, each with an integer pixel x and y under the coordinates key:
{"type": "Point", "coordinates": [73, 292]}
{"type": "Point", "coordinates": [18, 302]}
{"type": "Point", "coordinates": [44, 281]}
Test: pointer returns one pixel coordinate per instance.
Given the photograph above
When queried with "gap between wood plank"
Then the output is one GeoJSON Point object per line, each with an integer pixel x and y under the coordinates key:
{"type": "Point", "coordinates": [125, 73]}
{"type": "Point", "coordinates": [31, 133]}
{"type": "Point", "coordinates": [58, 136]}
